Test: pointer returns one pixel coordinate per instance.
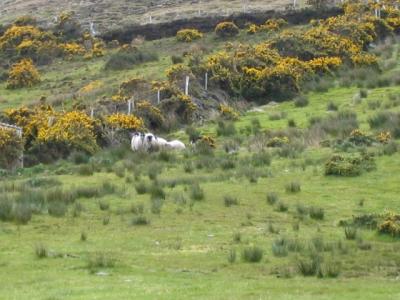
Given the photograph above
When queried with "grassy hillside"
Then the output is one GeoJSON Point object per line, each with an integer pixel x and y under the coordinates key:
{"type": "Point", "coordinates": [95, 247]}
{"type": "Point", "coordinates": [290, 200]}
{"type": "Point", "coordinates": [107, 14]}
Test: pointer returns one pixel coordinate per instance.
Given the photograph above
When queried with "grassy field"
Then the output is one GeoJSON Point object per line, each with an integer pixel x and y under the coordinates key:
{"type": "Point", "coordinates": [247, 220]}
{"type": "Point", "coordinates": [96, 251]}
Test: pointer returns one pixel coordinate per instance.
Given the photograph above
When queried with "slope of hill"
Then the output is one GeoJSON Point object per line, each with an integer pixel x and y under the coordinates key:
{"type": "Point", "coordinates": [107, 14]}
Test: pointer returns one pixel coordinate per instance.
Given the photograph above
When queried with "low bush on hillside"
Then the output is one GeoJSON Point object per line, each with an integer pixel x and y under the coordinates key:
{"type": "Point", "coordinates": [226, 29]}
{"type": "Point", "coordinates": [188, 35]}
{"type": "Point", "coordinates": [349, 164]}
{"type": "Point", "coordinates": [252, 254]}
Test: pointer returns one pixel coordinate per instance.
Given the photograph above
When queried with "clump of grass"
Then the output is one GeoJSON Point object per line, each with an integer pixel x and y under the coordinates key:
{"type": "Point", "coordinates": [331, 106]}
{"type": "Point", "coordinates": [196, 192]}
{"type": "Point", "coordinates": [104, 205]}
{"type": "Point", "coordinates": [188, 167]}
{"type": "Point", "coordinates": [272, 229]}
{"type": "Point", "coordinates": [362, 245]}
{"type": "Point", "coordinates": [363, 93]}
{"type": "Point", "coordinates": [261, 159]}
{"type": "Point", "coordinates": [154, 170]}
{"type": "Point", "coordinates": [156, 191]}
{"type": "Point", "coordinates": [119, 170]}
{"type": "Point", "coordinates": [86, 170]}
{"type": "Point", "coordinates": [293, 187]}
{"type": "Point", "coordinates": [57, 208]}
{"type": "Point", "coordinates": [350, 232]}
{"type": "Point", "coordinates": [272, 198]}
{"type": "Point", "coordinates": [279, 248]}
{"type": "Point", "coordinates": [301, 101]}
{"type": "Point", "coordinates": [84, 236]}
{"type": "Point", "coordinates": [252, 254]}
{"type": "Point", "coordinates": [141, 188]}
{"type": "Point", "coordinates": [22, 213]}
{"type": "Point", "coordinates": [302, 210]}
{"type": "Point", "coordinates": [156, 205]}
{"type": "Point", "coordinates": [137, 208]}
{"type": "Point", "coordinates": [282, 206]}
{"type": "Point", "coordinates": [6, 205]}
{"type": "Point", "coordinates": [330, 269]}
{"type": "Point", "coordinates": [225, 128]}
{"type": "Point", "coordinates": [232, 256]}
{"type": "Point", "coordinates": [309, 266]}
{"type": "Point", "coordinates": [106, 220]}
{"type": "Point", "coordinates": [41, 251]}
{"type": "Point", "coordinates": [77, 210]}
{"type": "Point", "coordinates": [316, 213]}
{"type": "Point", "coordinates": [237, 237]}
{"type": "Point", "coordinates": [291, 123]}
{"type": "Point", "coordinates": [100, 260]}
{"type": "Point", "coordinates": [140, 220]}
{"type": "Point", "coordinates": [230, 201]}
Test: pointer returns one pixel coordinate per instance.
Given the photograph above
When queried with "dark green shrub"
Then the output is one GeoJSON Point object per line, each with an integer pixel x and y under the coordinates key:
{"type": "Point", "coordinates": [41, 251]}
{"type": "Point", "coordinates": [225, 128]}
{"type": "Point", "coordinates": [57, 208]}
{"type": "Point", "coordinates": [252, 254]}
{"type": "Point", "coordinates": [282, 206]}
{"type": "Point", "coordinates": [261, 159]}
{"type": "Point", "coordinates": [316, 213]}
{"type": "Point", "coordinates": [140, 220]}
{"type": "Point", "coordinates": [177, 59]}
{"type": "Point", "coordinates": [293, 187]}
{"type": "Point", "coordinates": [301, 101]}
{"type": "Point", "coordinates": [349, 165]}
{"type": "Point", "coordinates": [103, 205]}
{"type": "Point", "coordinates": [196, 192]}
{"type": "Point", "coordinates": [272, 198]}
{"type": "Point", "coordinates": [100, 260]}
{"type": "Point", "coordinates": [6, 206]}
{"type": "Point", "coordinates": [86, 170]}
{"type": "Point", "coordinates": [331, 106]}
{"type": "Point", "coordinates": [350, 232]}
{"type": "Point", "coordinates": [22, 213]}
{"type": "Point", "coordinates": [390, 148]}
{"type": "Point", "coordinates": [230, 201]}
{"type": "Point", "coordinates": [308, 266]}
{"type": "Point", "coordinates": [141, 188]}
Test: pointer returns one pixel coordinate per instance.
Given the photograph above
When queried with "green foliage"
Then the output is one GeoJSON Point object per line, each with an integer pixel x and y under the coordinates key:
{"type": "Point", "coordinates": [349, 164]}
{"type": "Point", "coordinates": [252, 254]}
{"type": "Point", "coordinates": [123, 60]}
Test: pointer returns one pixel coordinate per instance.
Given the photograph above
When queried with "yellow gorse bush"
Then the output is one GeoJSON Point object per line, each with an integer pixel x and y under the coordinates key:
{"type": "Point", "coordinates": [121, 121]}
{"type": "Point", "coordinates": [10, 147]}
{"type": "Point", "coordinates": [227, 112]}
{"type": "Point", "coordinates": [74, 128]}
{"type": "Point", "coordinates": [188, 35]}
{"type": "Point", "coordinates": [23, 74]}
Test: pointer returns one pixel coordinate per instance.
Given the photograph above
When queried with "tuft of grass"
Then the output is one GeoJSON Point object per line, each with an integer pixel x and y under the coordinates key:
{"type": "Point", "coordinates": [230, 201]}
{"type": "Point", "coordinates": [237, 237]}
{"type": "Point", "coordinates": [57, 208]}
{"type": "Point", "coordinates": [350, 232]}
{"type": "Point", "coordinates": [232, 256]}
{"type": "Point", "coordinates": [252, 254]}
{"type": "Point", "coordinates": [301, 101]}
{"type": "Point", "coordinates": [86, 170]}
{"type": "Point", "coordinates": [84, 236]}
{"type": "Point", "coordinates": [104, 205]}
{"type": "Point", "coordinates": [272, 198]}
{"type": "Point", "coordinates": [22, 213]}
{"type": "Point", "coordinates": [6, 206]}
{"type": "Point", "coordinates": [106, 220]}
{"type": "Point", "coordinates": [100, 260]}
{"type": "Point", "coordinates": [282, 206]}
{"type": "Point", "coordinates": [137, 208]}
{"type": "Point", "coordinates": [293, 187]}
{"type": "Point", "coordinates": [41, 251]}
{"type": "Point", "coordinates": [279, 248]}
{"type": "Point", "coordinates": [196, 192]}
{"type": "Point", "coordinates": [140, 220]}
{"type": "Point", "coordinates": [316, 213]}
{"type": "Point", "coordinates": [308, 266]}
{"type": "Point", "coordinates": [141, 188]}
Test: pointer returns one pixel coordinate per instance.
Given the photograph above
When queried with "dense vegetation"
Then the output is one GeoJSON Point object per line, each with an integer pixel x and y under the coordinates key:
{"type": "Point", "coordinates": [299, 193]}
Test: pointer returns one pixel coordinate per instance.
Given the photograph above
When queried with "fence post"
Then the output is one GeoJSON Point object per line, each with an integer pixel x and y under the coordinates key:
{"type": "Point", "coordinates": [187, 86]}
{"type": "Point", "coordinates": [158, 96]}
{"type": "Point", "coordinates": [206, 81]}
{"type": "Point", "coordinates": [129, 107]}
{"type": "Point", "coordinates": [92, 113]}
